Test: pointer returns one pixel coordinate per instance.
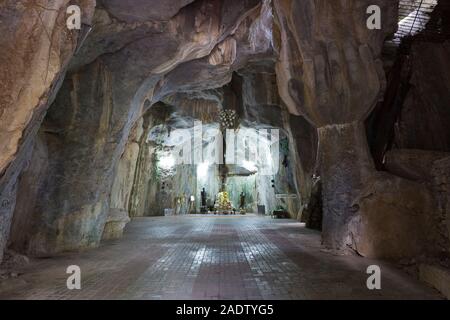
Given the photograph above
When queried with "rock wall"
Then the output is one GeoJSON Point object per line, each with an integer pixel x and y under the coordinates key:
{"type": "Point", "coordinates": [155, 186]}
{"type": "Point", "coordinates": [73, 200]}
{"type": "Point", "coordinates": [90, 165]}
{"type": "Point", "coordinates": [429, 171]}
{"type": "Point", "coordinates": [421, 141]}
{"type": "Point", "coordinates": [262, 107]}
{"type": "Point", "coordinates": [125, 172]}
{"type": "Point", "coordinates": [330, 71]}
{"type": "Point", "coordinates": [441, 187]}
{"type": "Point", "coordinates": [423, 122]}
{"type": "Point", "coordinates": [118, 215]}
{"type": "Point", "coordinates": [413, 164]}
{"type": "Point", "coordinates": [87, 129]}
{"type": "Point", "coordinates": [313, 211]}
{"type": "Point", "coordinates": [7, 206]}
{"type": "Point", "coordinates": [36, 49]}
{"type": "Point", "coordinates": [30, 182]}
{"type": "Point", "coordinates": [144, 166]}
{"type": "Point", "coordinates": [345, 166]}
{"type": "Point", "coordinates": [393, 219]}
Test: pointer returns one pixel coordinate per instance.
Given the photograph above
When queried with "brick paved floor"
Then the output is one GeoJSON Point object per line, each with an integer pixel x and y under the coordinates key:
{"type": "Point", "coordinates": [212, 258]}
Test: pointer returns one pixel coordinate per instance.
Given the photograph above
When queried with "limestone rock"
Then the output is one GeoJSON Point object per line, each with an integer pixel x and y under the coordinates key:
{"type": "Point", "coordinates": [411, 164]}
{"type": "Point", "coordinates": [423, 123]}
{"type": "Point", "coordinates": [312, 214]}
{"type": "Point", "coordinates": [395, 219]}
{"type": "Point", "coordinates": [124, 176]}
{"type": "Point", "coordinates": [436, 276]}
{"type": "Point", "coordinates": [88, 125]}
{"type": "Point", "coordinates": [28, 191]}
{"type": "Point", "coordinates": [334, 81]}
{"type": "Point", "coordinates": [144, 10]}
{"type": "Point", "coordinates": [224, 53]}
{"type": "Point", "coordinates": [441, 188]}
{"type": "Point", "coordinates": [345, 164]}
{"type": "Point", "coordinates": [320, 64]}
{"type": "Point", "coordinates": [36, 48]}
{"type": "Point", "coordinates": [310, 68]}
{"type": "Point", "coordinates": [7, 205]}
{"type": "Point", "coordinates": [115, 223]}
{"type": "Point", "coordinates": [14, 260]}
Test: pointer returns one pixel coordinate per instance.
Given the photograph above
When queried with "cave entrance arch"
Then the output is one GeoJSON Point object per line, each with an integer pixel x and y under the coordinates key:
{"type": "Point", "coordinates": [207, 156]}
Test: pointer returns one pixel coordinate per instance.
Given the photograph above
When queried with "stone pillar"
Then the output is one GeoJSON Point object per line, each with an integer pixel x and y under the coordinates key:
{"type": "Point", "coordinates": [329, 71]}
{"type": "Point", "coordinates": [345, 163]}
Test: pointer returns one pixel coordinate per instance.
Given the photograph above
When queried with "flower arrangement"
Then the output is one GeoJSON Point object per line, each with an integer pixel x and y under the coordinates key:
{"type": "Point", "coordinates": [224, 202]}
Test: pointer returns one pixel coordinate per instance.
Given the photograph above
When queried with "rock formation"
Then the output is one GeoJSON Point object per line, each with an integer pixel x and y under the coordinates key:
{"type": "Point", "coordinates": [123, 63]}
{"type": "Point", "coordinates": [331, 73]}
{"type": "Point", "coordinates": [86, 117]}
{"type": "Point", "coordinates": [36, 49]}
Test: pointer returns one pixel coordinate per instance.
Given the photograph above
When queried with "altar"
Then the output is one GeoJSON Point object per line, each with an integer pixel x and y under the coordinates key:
{"type": "Point", "coordinates": [223, 204]}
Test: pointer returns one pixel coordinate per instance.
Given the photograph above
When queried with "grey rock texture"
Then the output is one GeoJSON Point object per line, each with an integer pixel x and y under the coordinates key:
{"type": "Point", "coordinates": [394, 220]}
{"type": "Point", "coordinates": [340, 148]}
{"type": "Point", "coordinates": [436, 276]}
{"type": "Point", "coordinates": [28, 193]}
{"type": "Point", "coordinates": [38, 44]}
{"type": "Point", "coordinates": [143, 10]}
{"type": "Point", "coordinates": [431, 170]}
{"type": "Point", "coordinates": [7, 205]}
{"type": "Point", "coordinates": [115, 223]}
{"type": "Point", "coordinates": [82, 123]}
{"type": "Point", "coordinates": [36, 49]}
{"type": "Point", "coordinates": [423, 123]}
{"type": "Point", "coordinates": [441, 188]}
{"type": "Point", "coordinates": [412, 164]}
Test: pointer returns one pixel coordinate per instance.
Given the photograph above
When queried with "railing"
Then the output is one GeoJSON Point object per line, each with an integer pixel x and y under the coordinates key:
{"type": "Point", "coordinates": [419, 18]}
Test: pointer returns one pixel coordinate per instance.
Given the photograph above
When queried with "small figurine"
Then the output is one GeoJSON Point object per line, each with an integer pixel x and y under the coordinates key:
{"type": "Point", "coordinates": [203, 197]}
{"type": "Point", "coordinates": [242, 202]}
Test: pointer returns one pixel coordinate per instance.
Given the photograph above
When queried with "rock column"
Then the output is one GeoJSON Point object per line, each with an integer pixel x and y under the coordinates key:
{"type": "Point", "coordinates": [329, 71]}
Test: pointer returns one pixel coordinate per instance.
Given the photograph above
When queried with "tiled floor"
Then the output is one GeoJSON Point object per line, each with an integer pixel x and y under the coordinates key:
{"type": "Point", "coordinates": [212, 258]}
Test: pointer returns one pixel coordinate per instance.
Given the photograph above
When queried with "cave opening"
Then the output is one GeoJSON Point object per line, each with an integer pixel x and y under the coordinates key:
{"type": "Point", "coordinates": [204, 154]}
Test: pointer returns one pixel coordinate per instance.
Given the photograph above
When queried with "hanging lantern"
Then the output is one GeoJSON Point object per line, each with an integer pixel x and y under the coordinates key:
{"type": "Point", "coordinates": [227, 119]}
